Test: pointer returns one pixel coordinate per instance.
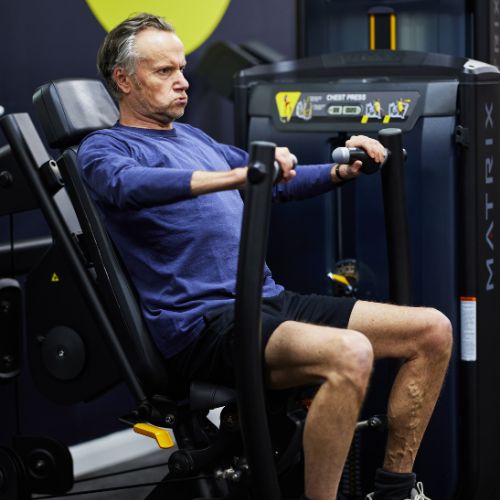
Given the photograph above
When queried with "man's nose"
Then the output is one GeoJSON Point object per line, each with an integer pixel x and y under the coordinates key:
{"type": "Point", "coordinates": [182, 83]}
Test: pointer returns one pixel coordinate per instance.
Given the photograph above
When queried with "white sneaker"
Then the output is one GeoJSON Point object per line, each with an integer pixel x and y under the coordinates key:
{"type": "Point", "coordinates": [416, 494]}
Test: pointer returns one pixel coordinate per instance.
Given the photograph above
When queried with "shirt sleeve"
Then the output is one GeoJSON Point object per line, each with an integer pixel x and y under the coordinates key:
{"type": "Point", "coordinates": [311, 180]}
{"type": "Point", "coordinates": [115, 178]}
{"type": "Point", "coordinates": [235, 157]}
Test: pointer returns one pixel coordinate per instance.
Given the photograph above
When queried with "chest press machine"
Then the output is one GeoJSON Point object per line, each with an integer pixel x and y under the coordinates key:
{"type": "Point", "coordinates": [103, 325]}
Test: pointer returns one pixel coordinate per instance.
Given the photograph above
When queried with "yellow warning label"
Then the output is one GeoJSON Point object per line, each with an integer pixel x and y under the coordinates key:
{"type": "Point", "coordinates": [286, 102]}
{"type": "Point", "coordinates": [386, 119]}
{"type": "Point", "coordinates": [55, 278]}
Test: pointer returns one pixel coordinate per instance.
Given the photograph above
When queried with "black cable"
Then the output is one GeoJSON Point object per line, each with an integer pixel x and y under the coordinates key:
{"type": "Point", "coordinates": [127, 487]}
{"type": "Point", "coordinates": [126, 471]}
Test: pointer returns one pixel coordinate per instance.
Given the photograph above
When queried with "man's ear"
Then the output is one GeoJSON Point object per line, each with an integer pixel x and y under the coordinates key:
{"type": "Point", "coordinates": [122, 79]}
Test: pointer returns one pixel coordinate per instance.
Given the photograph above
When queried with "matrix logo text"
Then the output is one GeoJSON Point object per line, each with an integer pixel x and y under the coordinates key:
{"type": "Point", "coordinates": [488, 197]}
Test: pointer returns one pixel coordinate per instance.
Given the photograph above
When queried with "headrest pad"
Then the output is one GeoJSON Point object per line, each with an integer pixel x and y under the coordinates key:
{"type": "Point", "coordinates": [70, 109]}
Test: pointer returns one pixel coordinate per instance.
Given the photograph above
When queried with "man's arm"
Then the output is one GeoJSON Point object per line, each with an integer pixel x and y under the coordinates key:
{"type": "Point", "coordinates": [203, 182]}
{"type": "Point", "coordinates": [116, 178]}
{"type": "Point", "coordinates": [312, 180]}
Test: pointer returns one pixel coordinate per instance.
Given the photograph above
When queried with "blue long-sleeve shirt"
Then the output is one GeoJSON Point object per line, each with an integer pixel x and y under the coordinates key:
{"type": "Point", "coordinates": [180, 250]}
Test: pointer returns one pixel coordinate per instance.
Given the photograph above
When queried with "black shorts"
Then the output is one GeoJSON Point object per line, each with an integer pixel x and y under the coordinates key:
{"type": "Point", "coordinates": [210, 357]}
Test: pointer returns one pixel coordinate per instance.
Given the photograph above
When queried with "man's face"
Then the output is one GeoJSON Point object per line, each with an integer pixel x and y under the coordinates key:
{"type": "Point", "coordinates": [156, 92]}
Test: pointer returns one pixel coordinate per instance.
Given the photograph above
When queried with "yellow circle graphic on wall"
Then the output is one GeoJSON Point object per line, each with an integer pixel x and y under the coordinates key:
{"type": "Point", "coordinates": [194, 20]}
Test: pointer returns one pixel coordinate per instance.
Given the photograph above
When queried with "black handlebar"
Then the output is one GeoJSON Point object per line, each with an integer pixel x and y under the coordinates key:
{"type": "Point", "coordinates": [396, 219]}
{"type": "Point", "coordinates": [248, 340]}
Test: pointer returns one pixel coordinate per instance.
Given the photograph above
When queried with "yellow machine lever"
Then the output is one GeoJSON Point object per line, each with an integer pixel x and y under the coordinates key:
{"type": "Point", "coordinates": [162, 436]}
{"type": "Point", "coordinates": [339, 278]}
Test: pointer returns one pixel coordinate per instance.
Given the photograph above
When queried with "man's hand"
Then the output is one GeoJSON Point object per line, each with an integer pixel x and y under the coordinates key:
{"type": "Point", "coordinates": [287, 163]}
{"type": "Point", "coordinates": [373, 148]}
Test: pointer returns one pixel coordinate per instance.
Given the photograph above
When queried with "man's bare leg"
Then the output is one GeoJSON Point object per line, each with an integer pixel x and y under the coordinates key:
{"type": "Point", "coordinates": [422, 337]}
{"type": "Point", "coordinates": [299, 354]}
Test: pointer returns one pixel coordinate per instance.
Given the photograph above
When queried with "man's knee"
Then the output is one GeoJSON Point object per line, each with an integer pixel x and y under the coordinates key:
{"type": "Point", "coordinates": [436, 338]}
{"type": "Point", "coordinates": [352, 362]}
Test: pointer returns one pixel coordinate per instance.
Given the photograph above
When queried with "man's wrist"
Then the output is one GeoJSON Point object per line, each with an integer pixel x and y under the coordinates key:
{"type": "Point", "coordinates": [341, 174]}
{"type": "Point", "coordinates": [241, 176]}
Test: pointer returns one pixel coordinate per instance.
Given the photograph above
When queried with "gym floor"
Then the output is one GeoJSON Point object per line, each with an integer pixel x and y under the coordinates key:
{"type": "Point", "coordinates": [145, 470]}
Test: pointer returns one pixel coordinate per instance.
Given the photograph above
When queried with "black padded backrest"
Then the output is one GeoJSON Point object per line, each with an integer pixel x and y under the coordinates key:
{"type": "Point", "coordinates": [72, 108]}
{"type": "Point", "coordinates": [66, 108]}
{"type": "Point", "coordinates": [113, 283]}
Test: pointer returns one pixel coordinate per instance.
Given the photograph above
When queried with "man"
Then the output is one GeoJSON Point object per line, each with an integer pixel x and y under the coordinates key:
{"type": "Point", "coordinates": [169, 196]}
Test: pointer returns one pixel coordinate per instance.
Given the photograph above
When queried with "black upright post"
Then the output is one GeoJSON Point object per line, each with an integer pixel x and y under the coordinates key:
{"type": "Point", "coordinates": [247, 340]}
{"type": "Point", "coordinates": [240, 112]}
{"type": "Point", "coordinates": [396, 218]}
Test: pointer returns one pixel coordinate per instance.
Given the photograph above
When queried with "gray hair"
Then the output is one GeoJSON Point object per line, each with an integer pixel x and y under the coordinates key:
{"type": "Point", "coordinates": [118, 47]}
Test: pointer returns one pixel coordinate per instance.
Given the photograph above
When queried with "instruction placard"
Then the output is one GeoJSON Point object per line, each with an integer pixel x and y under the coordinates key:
{"type": "Point", "coordinates": [468, 328]}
